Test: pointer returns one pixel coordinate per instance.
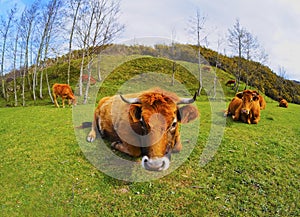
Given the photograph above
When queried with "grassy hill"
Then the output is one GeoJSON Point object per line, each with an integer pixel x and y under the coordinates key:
{"type": "Point", "coordinates": [44, 170]}
{"type": "Point", "coordinates": [258, 76]}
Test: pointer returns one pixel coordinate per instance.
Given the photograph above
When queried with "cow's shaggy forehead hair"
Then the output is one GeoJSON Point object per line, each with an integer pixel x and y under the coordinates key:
{"type": "Point", "coordinates": [158, 101]}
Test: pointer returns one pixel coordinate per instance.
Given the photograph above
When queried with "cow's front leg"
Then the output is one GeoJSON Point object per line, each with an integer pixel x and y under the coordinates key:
{"type": "Point", "coordinates": [127, 149]}
{"type": "Point", "coordinates": [92, 134]}
{"type": "Point", "coordinates": [63, 101]}
{"type": "Point", "coordinates": [55, 101]}
{"type": "Point", "coordinates": [255, 118]}
{"type": "Point", "coordinates": [237, 113]}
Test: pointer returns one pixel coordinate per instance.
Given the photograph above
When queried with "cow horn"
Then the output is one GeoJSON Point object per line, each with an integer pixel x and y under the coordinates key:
{"type": "Point", "coordinates": [131, 100]}
{"type": "Point", "coordinates": [187, 100]}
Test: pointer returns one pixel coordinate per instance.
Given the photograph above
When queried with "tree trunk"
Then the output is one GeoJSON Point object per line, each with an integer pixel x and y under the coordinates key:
{"type": "Point", "coordinates": [200, 72]}
{"type": "Point", "coordinates": [23, 89]}
{"type": "Point", "coordinates": [81, 73]}
{"type": "Point", "coordinates": [71, 39]}
{"type": "Point", "coordinates": [41, 85]}
{"type": "Point", "coordinates": [99, 67]}
{"type": "Point", "coordinates": [88, 83]}
{"type": "Point", "coordinates": [49, 88]}
{"type": "Point", "coordinates": [173, 73]}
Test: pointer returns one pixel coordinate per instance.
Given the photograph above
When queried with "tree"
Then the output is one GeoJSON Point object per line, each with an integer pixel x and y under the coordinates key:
{"type": "Point", "coordinates": [50, 16]}
{"type": "Point", "coordinates": [74, 5]}
{"type": "Point", "coordinates": [252, 51]}
{"type": "Point", "coordinates": [236, 38]}
{"type": "Point", "coordinates": [282, 75]}
{"type": "Point", "coordinates": [197, 25]}
{"type": "Point", "coordinates": [246, 46]}
{"type": "Point", "coordinates": [6, 26]}
{"type": "Point", "coordinates": [98, 26]}
{"type": "Point", "coordinates": [15, 61]}
{"type": "Point", "coordinates": [26, 27]}
{"type": "Point", "coordinates": [84, 29]}
{"type": "Point", "coordinates": [219, 43]}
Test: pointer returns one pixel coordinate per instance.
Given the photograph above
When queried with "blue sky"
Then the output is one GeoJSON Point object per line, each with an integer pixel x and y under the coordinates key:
{"type": "Point", "coordinates": [276, 23]}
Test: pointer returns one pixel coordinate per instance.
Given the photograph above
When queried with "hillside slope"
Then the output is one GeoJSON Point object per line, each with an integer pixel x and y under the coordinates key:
{"type": "Point", "coordinates": [259, 77]}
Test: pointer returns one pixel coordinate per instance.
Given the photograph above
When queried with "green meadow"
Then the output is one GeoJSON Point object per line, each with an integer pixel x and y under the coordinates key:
{"type": "Point", "coordinates": [254, 171]}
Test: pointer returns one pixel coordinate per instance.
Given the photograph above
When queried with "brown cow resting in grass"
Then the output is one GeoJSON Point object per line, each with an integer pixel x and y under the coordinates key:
{"type": "Point", "coordinates": [65, 92]}
{"type": "Point", "coordinates": [245, 106]}
{"type": "Point", "coordinates": [262, 102]}
{"type": "Point", "coordinates": [144, 124]}
{"type": "Point", "coordinates": [283, 103]}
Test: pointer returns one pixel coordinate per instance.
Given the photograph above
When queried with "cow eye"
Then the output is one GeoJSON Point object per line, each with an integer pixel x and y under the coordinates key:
{"type": "Point", "coordinates": [142, 122]}
{"type": "Point", "coordinates": [173, 125]}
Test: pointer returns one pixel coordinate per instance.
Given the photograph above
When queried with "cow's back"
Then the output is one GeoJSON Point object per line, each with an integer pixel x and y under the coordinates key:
{"type": "Point", "coordinates": [262, 102]}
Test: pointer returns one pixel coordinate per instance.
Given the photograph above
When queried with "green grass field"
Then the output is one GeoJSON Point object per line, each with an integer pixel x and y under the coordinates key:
{"type": "Point", "coordinates": [255, 171]}
{"type": "Point", "coordinates": [44, 170]}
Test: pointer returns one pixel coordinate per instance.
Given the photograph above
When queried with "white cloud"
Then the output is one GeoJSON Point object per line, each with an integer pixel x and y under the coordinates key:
{"type": "Point", "coordinates": [276, 23]}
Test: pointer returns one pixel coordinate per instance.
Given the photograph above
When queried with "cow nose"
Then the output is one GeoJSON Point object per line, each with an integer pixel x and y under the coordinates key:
{"type": "Point", "coordinates": [157, 164]}
{"type": "Point", "coordinates": [245, 111]}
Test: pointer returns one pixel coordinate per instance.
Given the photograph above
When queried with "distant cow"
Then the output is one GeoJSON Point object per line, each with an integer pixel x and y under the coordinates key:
{"type": "Point", "coordinates": [65, 92]}
{"type": "Point", "coordinates": [283, 103]}
{"type": "Point", "coordinates": [85, 78]}
{"type": "Point", "coordinates": [230, 82]}
{"type": "Point", "coordinates": [144, 124]}
{"type": "Point", "coordinates": [245, 107]}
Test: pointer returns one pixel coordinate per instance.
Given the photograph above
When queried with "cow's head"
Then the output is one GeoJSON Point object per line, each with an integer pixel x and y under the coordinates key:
{"type": "Point", "coordinates": [159, 115]}
{"type": "Point", "coordinates": [249, 97]}
{"type": "Point", "coordinates": [71, 99]}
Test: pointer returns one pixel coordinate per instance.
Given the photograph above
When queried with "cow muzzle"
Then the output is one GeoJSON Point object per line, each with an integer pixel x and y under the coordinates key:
{"type": "Point", "coordinates": [156, 164]}
{"type": "Point", "coordinates": [245, 111]}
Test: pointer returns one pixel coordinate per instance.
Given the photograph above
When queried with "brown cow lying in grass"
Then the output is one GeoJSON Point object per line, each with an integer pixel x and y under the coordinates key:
{"type": "Point", "coordinates": [144, 124]}
{"type": "Point", "coordinates": [65, 92]}
{"type": "Point", "coordinates": [262, 102]}
{"type": "Point", "coordinates": [283, 103]}
{"type": "Point", "coordinates": [245, 106]}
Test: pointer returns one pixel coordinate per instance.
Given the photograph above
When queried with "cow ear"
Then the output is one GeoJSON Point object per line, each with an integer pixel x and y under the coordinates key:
{"type": "Point", "coordinates": [255, 96]}
{"type": "Point", "coordinates": [187, 113]}
{"type": "Point", "coordinates": [239, 95]}
{"type": "Point", "coordinates": [135, 112]}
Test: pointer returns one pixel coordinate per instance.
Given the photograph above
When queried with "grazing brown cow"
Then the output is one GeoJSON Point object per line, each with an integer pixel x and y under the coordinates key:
{"type": "Point", "coordinates": [249, 110]}
{"type": "Point", "coordinates": [283, 103]}
{"type": "Point", "coordinates": [262, 102]}
{"type": "Point", "coordinates": [144, 124]}
{"type": "Point", "coordinates": [65, 92]}
{"type": "Point", "coordinates": [230, 82]}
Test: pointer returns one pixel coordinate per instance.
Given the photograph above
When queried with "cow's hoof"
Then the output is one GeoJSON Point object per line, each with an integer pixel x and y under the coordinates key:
{"type": "Point", "coordinates": [115, 145]}
{"type": "Point", "coordinates": [90, 138]}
